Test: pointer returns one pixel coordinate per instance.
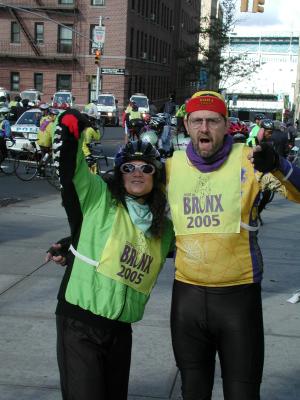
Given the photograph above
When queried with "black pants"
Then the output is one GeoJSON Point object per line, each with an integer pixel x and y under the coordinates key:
{"type": "Point", "coordinates": [3, 149]}
{"type": "Point", "coordinates": [93, 363]}
{"type": "Point", "coordinates": [227, 321]}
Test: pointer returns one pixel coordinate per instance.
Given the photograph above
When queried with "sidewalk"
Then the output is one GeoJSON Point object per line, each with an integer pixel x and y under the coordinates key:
{"type": "Point", "coordinates": [28, 291]}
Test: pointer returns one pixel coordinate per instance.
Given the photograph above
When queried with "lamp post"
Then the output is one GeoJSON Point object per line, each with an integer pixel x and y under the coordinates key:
{"type": "Point", "coordinates": [99, 39]}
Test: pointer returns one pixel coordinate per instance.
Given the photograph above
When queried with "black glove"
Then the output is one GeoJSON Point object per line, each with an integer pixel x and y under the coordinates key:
{"type": "Point", "coordinates": [74, 121]}
{"type": "Point", "coordinates": [266, 160]}
{"type": "Point", "coordinates": [90, 160]}
{"type": "Point", "coordinates": [63, 250]}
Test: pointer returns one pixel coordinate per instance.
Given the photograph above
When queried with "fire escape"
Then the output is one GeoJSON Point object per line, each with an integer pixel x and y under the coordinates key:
{"type": "Point", "coordinates": [31, 49]}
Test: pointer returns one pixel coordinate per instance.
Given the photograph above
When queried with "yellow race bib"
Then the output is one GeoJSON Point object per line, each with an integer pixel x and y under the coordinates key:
{"type": "Point", "coordinates": [206, 202]}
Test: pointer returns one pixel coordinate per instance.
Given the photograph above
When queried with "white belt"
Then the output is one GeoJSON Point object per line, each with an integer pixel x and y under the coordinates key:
{"type": "Point", "coordinates": [83, 258]}
{"type": "Point", "coordinates": [249, 227]}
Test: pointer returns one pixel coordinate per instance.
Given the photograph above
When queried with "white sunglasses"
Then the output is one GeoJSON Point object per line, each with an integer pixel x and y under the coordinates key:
{"type": "Point", "coordinates": [129, 168]}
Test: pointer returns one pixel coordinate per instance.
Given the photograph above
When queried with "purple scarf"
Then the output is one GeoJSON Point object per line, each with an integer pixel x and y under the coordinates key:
{"type": "Point", "coordinates": [211, 163]}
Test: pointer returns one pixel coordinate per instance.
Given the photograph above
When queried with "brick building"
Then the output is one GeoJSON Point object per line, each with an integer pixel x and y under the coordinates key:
{"type": "Point", "coordinates": [139, 55]}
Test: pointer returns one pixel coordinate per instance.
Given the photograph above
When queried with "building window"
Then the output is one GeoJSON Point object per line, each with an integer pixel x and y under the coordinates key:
{"type": "Point", "coordinates": [92, 87]}
{"type": "Point", "coordinates": [98, 2]}
{"type": "Point", "coordinates": [65, 36]}
{"type": "Point", "coordinates": [63, 82]}
{"type": "Point", "coordinates": [15, 33]}
{"type": "Point", "coordinates": [66, 2]}
{"type": "Point", "coordinates": [15, 81]}
{"type": "Point", "coordinates": [92, 29]}
{"type": "Point", "coordinates": [39, 32]}
{"type": "Point", "coordinates": [38, 81]}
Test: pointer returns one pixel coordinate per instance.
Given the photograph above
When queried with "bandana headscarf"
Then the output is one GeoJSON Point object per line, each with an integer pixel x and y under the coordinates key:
{"type": "Point", "coordinates": [207, 102]}
{"type": "Point", "coordinates": [212, 163]}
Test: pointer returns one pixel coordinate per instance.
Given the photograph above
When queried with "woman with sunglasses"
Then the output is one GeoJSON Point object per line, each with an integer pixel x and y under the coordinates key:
{"type": "Point", "coordinates": [120, 238]}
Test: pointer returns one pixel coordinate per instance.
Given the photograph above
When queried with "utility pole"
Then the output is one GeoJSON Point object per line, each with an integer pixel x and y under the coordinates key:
{"type": "Point", "coordinates": [99, 38]}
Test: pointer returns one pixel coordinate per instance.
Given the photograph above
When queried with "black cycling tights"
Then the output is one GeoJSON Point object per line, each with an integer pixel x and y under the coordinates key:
{"type": "Point", "coordinates": [93, 363]}
{"type": "Point", "coordinates": [227, 321]}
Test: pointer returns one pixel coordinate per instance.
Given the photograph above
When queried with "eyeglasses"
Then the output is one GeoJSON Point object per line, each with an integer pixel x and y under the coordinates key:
{"type": "Point", "coordinates": [210, 122]}
{"type": "Point", "coordinates": [144, 168]}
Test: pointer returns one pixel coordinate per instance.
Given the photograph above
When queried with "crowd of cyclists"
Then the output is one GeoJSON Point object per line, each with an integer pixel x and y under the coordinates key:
{"type": "Point", "coordinates": [165, 129]}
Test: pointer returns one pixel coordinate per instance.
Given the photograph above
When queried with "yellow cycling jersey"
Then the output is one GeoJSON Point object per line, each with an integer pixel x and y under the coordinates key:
{"type": "Point", "coordinates": [44, 137]}
{"type": "Point", "coordinates": [90, 135]}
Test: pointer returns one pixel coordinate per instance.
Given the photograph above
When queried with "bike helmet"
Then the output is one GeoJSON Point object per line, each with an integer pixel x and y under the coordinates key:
{"type": "Point", "coordinates": [4, 110]}
{"type": "Point", "coordinates": [149, 136]}
{"type": "Point", "coordinates": [44, 106]}
{"type": "Point", "coordinates": [138, 150]}
{"type": "Point", "coordinates": [91, 110]}
{"type": "Point", "coordinates": [234, 127]}
{"type": "Point", "coordinates": [259, 117]}
{"type": "Point", "coordinates": [54, 111]}
{"type": "Point", "coordinates": [267, 124]}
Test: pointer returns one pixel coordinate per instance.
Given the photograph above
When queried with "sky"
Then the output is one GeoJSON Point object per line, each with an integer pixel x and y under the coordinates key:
{"type": "Point", "coordinates": [279, 16]}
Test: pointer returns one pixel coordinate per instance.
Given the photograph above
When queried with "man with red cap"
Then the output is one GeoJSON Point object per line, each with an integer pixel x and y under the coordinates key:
{"type": "Point", "coordinates": [213, 194]}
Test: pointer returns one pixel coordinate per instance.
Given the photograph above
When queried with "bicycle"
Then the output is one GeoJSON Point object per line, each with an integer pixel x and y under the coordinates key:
{"type": "Point", "coordinates": [7, 162]}
{"type": "Point", "coordinates": [30, 164]}
{"type": "Point", "coordinates": [94, 159]}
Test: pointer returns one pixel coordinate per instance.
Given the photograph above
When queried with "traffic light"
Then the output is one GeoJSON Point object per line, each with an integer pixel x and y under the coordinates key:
{"type": "Point", "coordinates": [244, 5]}
{"type": "Point", "coordinates": [258, 6]}
{"type": "Point", "coordinates": [97, 57]}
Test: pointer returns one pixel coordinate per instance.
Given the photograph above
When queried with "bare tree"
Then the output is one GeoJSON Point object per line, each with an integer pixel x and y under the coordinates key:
{"type": "Point", "coordinates": [208, 54]}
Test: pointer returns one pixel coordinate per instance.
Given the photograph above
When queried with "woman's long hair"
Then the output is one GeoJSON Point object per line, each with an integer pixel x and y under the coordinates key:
{"type": "Point", "coordinates": [156, 199]}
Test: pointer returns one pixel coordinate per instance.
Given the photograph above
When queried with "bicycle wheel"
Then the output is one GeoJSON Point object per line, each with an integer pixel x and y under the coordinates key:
{"type": "Point", "coordinates": [51, 175]}
{"type": "Point", "coordinates": [27, 166]}
{"type": "Point", "coordinates": [8, 165]}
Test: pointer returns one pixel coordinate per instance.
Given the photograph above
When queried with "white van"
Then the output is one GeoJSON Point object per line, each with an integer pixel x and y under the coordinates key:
{"type": "Point", "coordinates": [33, 95]}
{"type": "Point", "coordinates": [63, 99]}
{"type": "Point", "coordinates": [107, 106]}
{"type": "Point", "coordinates": [142, 102]}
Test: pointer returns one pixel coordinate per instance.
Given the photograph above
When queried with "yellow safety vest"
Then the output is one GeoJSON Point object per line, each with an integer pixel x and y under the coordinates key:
{"type": "Point", "coordinates": [206, 202]}
{"type": "Point", "coordinates": [134, 259]}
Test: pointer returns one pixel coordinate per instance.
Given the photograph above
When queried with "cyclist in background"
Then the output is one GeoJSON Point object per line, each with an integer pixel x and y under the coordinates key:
{"type": "Point", "coordinates": [44, 107]}
{"type": "Point", "coordinates": [5, 130]}
{"type": "Point", "coordinates": [91, 134]}
{"type": "Point", "coordinates": [44, 137]}
{"type": "Point", "coordinates": [254, 131]}
{"type": "Point", "coordinates": [133, 121]}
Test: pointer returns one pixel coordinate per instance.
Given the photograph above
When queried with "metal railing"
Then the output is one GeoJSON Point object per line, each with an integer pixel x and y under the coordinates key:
{"type": "Point", "coordinates": [45, 4]}
{"type": "Point", "coordinates": [47, 50]}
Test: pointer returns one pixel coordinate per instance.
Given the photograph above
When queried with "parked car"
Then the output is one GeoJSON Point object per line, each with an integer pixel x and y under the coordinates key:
{"type": "Point", "coordinates": [33, 95]}
{"type": "Point", "coordinates": [25, 129]}
{"type": "Point", "coordinates": [142, 102]}
{"type": "Point", "coordinates": [107, 106]}
{"type": "Point", "coordinates": [63, 99]}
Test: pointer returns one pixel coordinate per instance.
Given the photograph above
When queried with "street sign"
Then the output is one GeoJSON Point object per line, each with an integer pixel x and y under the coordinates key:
{"type": "Point", "coordinates": [113, 71]}
{"type": "Point", "coordinates": [99, 36]}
